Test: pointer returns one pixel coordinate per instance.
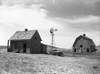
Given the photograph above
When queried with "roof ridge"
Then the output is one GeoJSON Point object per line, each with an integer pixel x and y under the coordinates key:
{"type": "Point", "coordinates": [24, 30]}
{"type": "Point", "coordinates": [87, 37]}
{"type": "Point", "coordinates": [19, 35]}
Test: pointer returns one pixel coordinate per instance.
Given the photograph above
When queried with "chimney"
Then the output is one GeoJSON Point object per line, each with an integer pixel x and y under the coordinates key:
{"type": "Point", "coordinates": [26, 30]}
{"type": "Point", "coordinates": [84, 35]}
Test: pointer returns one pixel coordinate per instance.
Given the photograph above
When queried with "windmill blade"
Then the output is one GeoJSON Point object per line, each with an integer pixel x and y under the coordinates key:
{"type": "Point", "coordinates": [56, 29]}
{"type": "Point", "coordinates": [51, 30]}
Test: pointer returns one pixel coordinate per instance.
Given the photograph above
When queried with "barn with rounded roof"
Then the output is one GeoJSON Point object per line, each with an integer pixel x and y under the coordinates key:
{"type": "Point", "coordinates": [84, 44]}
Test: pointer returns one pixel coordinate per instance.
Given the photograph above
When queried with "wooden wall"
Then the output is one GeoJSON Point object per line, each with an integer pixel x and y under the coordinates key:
{"type": "Point", "coordinates": [85, 45]}
{"type": "Point", "coordinates": [17, 46]}
{"type": "Point", "coordinates": [35, 44]}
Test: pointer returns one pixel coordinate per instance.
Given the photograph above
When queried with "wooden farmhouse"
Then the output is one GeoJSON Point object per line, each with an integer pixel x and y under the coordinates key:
{"type": "Point", "coordinates": [27, 41]}
{"type": "Point", "coordinates": [84, 44]}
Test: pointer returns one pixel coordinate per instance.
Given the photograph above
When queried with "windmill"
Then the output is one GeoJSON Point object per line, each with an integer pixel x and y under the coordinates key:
{"type": "Point", "coordinates": [52, 32]}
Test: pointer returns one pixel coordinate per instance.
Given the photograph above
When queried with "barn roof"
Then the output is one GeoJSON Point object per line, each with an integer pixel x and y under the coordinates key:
{"type": "Point", "coordinates": [90, 41]}
{"type": "Point", "coordinates": [23, 35]}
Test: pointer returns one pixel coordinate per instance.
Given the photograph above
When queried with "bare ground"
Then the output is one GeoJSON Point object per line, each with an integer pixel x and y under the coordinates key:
{"type": "Point", "coordinates": [15, 63]}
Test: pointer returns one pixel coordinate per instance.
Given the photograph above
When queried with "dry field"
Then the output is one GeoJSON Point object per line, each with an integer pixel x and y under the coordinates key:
{"type": "Point", "coordinates": [15, 63]}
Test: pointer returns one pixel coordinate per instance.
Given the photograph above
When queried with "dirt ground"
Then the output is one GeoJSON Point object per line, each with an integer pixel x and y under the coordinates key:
{"type": "Point", "coordinates": [15, 63]}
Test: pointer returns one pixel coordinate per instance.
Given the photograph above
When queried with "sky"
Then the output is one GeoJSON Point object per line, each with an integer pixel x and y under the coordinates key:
{"type": "Point", "coordinates": [71, 18]}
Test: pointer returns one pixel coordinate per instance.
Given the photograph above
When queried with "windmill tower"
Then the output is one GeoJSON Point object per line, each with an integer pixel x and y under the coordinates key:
{"type": "Point", "coordinates": [52, 32]}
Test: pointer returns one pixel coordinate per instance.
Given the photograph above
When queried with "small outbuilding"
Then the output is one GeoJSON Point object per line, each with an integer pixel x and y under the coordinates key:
{"type": "Point", "coordinates": [27, 41]}
{"type": "Point", "coordinates": [84, 44]}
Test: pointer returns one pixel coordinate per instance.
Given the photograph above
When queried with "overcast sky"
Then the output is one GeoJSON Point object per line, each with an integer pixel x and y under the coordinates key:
{"type": "Point", "coordinates": [71, 17]}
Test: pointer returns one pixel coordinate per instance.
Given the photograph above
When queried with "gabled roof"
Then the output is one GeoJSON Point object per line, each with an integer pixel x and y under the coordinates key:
{"type": "Point", "coordinates": [90, 41]}
{"type": "Point", "coordinates": [23, 35]}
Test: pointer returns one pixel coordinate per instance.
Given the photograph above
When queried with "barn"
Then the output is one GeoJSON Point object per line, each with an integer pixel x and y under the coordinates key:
{"type": "Point", "coordinates": [27, 41]}
{"type": "Point", "coordinates": [84, 44]}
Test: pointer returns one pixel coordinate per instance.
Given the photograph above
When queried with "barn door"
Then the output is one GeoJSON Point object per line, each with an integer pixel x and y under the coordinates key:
{"type": "Point", "coordinates": [81, 47]}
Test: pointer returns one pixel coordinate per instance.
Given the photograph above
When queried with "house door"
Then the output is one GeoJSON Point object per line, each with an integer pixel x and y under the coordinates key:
{"type": "Point", "coordinates": [24, 48]}
{"type": "Point", "coordinates": [41, 48]}
{"type": "Point", "coordinates": [74, 49]}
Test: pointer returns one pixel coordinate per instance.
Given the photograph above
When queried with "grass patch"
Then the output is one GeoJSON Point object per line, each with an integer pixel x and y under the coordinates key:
{"type": "Point", "coordinates": [15, 63]}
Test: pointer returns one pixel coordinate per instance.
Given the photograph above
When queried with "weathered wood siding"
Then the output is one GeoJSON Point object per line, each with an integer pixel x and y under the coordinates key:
{"type": "Point", "coordinates": [35, 44]}
{"type": "Point", "coordinates": [43, 48]}
{"type": "Point", "coordinates": [17, 46]}
{"type": "Point", "coordinates": [84, 43]}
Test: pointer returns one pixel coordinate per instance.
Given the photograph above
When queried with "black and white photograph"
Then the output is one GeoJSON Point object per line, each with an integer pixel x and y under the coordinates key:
{"type": "Point", "coordinates": [49, 36]}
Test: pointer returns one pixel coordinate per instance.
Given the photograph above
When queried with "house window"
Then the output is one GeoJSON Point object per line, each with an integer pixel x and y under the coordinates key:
{"type": "Point", "coordinates": [35, 38]}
